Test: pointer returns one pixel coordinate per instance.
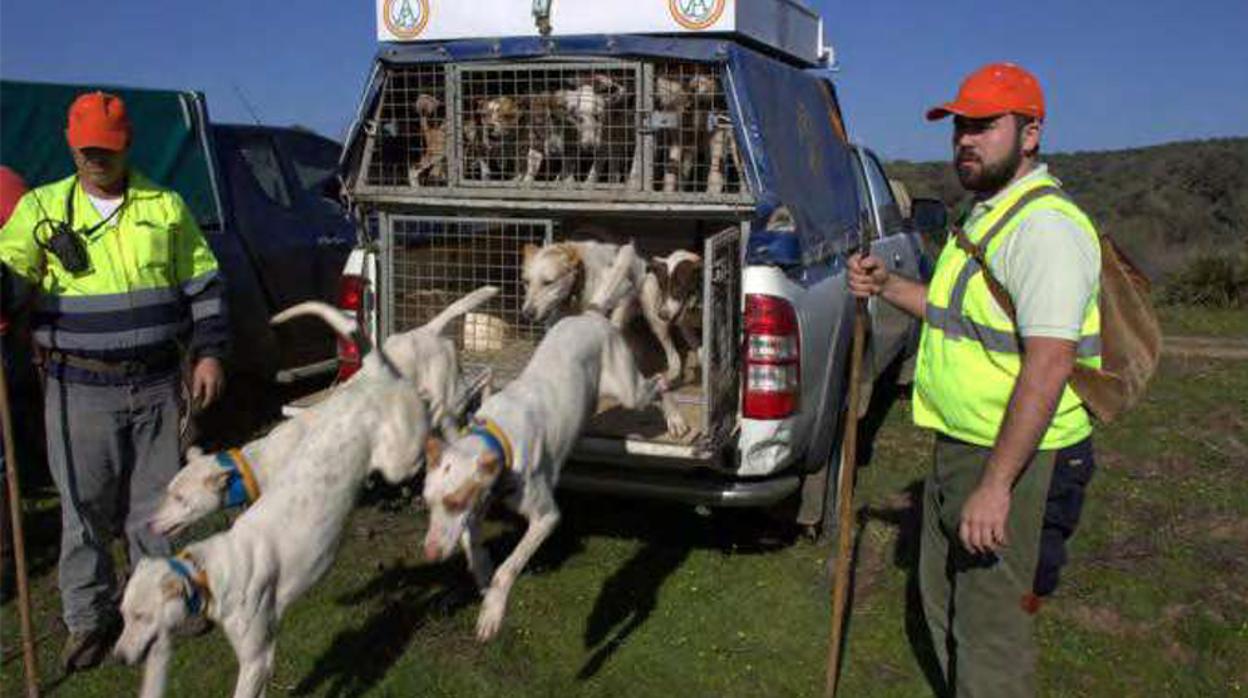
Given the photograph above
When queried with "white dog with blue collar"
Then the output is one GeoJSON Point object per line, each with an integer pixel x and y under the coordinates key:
{"type": "Point", "coordinates": [524, 433]}
{"type": "Point", "coordinates": [285, 542]}
{"type": "Point", "coordinates": [236, 477]}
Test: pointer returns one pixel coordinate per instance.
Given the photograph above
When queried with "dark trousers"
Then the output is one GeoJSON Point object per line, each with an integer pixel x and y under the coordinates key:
{"type": "Point", "coordinates": [1072, 471]}
{"type": "Point", "coordinates": [112, 450]}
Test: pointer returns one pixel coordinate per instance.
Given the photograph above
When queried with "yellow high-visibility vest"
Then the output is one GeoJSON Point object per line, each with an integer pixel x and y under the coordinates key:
{"type": "Point", "coordinates": [150, 272]}
{"type": "Point", "coordinates": [970, 353]}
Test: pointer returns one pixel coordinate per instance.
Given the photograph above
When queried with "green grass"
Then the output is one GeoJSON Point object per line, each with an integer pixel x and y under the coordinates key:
{"type": "Point", "coordinates": [636, 599]}
{"type": "Point", "coordinates": [1207, 322]}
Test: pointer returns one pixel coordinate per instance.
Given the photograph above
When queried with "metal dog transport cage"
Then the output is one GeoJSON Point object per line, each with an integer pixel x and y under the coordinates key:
{"type": "Point", "coordinates": [585, 130]}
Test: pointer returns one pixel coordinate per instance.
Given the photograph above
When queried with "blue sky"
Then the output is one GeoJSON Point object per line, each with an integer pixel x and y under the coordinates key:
{"type": "Point", "coordinates": [1117, 73]}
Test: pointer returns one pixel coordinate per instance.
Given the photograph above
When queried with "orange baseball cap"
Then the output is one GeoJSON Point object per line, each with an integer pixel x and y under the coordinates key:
{"type": "Point", "coordinates": [993, 90]}
{"type": "Point", "coordinates": [98, 120]}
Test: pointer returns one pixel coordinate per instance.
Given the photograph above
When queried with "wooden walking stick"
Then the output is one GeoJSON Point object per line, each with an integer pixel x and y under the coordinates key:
{"type": "Point", "coordinates": [19, 541]}
{"type": "Point", "coordinates": [845, 498]}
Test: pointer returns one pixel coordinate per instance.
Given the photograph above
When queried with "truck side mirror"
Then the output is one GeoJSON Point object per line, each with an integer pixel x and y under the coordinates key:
{"type": "Point", "coordinates": [929, 216]}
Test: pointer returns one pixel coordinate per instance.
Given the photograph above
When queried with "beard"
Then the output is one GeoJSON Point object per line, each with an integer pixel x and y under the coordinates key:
{"type": "Point", "coordinates": [988, 177]}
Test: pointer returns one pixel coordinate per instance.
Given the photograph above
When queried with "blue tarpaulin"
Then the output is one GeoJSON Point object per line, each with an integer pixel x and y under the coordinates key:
{"type": "Point", "coordinates": [784, 116]}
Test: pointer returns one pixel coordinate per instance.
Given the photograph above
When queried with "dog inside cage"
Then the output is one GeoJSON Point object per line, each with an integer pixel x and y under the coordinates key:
{"type": "Point", "coordinates": [550, 125]}
{"type": "Point", "coordinates": [696, 150]}
{"type": "Point", "coordinates": [661, 128]}
{"type": "Point", "coordinates": [409, 131]}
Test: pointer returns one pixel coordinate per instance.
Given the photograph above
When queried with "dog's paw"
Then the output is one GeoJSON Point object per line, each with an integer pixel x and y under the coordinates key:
{"type": "Point", "coordinates": [677, 427]}
{"type": "Point", "coordinates": [491, 617]}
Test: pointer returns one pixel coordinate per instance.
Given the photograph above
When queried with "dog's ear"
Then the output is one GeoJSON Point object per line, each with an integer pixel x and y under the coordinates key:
{"type": "Point", "coordinates": [489, 464]}
{"type": "Point", "coordinates": [685, 279]}
{"type": "Point", "coordinates": [171, 588]}
{"type": "Point", "coordinates": [433, 452]}
{"type": "Point", "coordinates": [461, 498]}
{"type": "Point", "coordinates": [218, 480]}
{"type": "Point", "coordinates": [194, 452]}
{"type": "Point", "coordinates": [658, 267]}
{"type": "Point", "coordinates": [530, 251]}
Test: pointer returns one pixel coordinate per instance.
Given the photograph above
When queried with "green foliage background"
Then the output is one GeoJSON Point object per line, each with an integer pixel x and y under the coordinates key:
{"type": "Point", "coordinates": [1179, 210]}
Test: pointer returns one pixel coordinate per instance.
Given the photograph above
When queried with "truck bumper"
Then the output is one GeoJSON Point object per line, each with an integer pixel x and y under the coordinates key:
{"type": "Point", "coordinates": [698, 487]}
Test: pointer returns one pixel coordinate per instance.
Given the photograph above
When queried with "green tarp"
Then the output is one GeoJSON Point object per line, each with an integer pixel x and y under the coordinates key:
{"type": "Point", "coordinates": [169, 144]}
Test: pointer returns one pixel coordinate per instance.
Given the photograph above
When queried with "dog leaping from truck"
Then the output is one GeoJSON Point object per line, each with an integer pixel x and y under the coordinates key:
{"type": "Point", "coordinates": [523, 434]}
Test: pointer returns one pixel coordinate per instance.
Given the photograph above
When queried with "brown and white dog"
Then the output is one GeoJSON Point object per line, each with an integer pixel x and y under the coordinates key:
{"type": "Point", "coordinates": [560, 278]}
{"type": "Point", "coordinates": [693, 105]}
{"type": "Point", "coordinates": [431, 169]}
{"type": "Point", "coordinates": [670, 291]}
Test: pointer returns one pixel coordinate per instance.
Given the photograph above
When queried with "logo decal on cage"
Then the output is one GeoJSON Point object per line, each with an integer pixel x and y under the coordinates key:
{"type": "Point", "coordinates": [696, 14]}
{"type": "Point", "coordinates": [406, 19]}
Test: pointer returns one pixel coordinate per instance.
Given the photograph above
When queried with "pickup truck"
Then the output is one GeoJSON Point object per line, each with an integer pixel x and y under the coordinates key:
{"type": "Point", "coordinates": [265, 198]}
{"type": "Point", "coordinates": [475, 138]}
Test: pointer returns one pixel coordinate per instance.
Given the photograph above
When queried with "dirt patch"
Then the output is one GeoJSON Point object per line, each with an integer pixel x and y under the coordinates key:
{"type": "Point", "coordinates": [1207, 347]}
{"type": "Point", "coordinates": [1170, 466]}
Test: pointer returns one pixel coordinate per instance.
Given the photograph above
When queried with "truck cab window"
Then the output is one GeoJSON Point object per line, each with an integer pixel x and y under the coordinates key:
{"type": "Point", "coordinates": [265, 168]}
{"type": "Point", "coordinates": [890, 212]}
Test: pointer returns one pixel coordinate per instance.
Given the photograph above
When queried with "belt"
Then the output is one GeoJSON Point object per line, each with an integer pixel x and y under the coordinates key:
{"type": "Point", "coordinates": [160, 362]}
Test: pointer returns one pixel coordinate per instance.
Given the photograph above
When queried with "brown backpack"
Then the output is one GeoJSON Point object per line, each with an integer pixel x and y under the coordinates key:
{"type": "Point", "coordinates": [1130, 332]}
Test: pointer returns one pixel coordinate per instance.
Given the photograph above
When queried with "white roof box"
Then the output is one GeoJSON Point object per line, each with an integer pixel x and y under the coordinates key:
{"type": "Point", "coordinates": [788, 26]}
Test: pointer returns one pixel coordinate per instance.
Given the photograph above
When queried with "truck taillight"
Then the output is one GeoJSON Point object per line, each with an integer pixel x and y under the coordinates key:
{"type": "Point", "coordinates": [351, 291]}
{"type": "Point", "coordinates": [772, 358]}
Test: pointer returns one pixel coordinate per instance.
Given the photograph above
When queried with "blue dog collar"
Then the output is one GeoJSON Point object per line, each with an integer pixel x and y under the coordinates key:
{"type": "Point", "coordinates": [238, 490]}
{"type": "Point", "coordinates": [194, 599]}
{"type": "Point", "coordinates": [494, 439]}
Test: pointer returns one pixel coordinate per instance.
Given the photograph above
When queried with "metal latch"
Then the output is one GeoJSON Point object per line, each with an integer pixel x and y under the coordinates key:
{"type": "Point", "coordinates": [541, 15]}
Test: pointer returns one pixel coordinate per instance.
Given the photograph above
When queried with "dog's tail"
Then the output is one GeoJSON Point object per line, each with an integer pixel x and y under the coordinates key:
{"type": "Point", "coordinates": [460, 307]}
{"type": "Point", "coordinates": [338, 321]}
{"type": "Point", "coordinates": [614, 286]}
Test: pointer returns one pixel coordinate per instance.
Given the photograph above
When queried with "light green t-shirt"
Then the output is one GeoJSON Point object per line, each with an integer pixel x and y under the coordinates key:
{"type": "Point", "coordinates": [1050, 267]}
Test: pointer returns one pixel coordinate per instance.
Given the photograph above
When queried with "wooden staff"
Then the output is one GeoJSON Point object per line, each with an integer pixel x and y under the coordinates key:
{"type": "Point", "coordinates": [845, 499]}
{"type": "Point", "coordinates": [19, 540]}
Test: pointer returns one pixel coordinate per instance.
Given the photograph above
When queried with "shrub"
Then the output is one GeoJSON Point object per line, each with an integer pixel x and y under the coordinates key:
{"type": "Point", "coordinates": [1209, 279]}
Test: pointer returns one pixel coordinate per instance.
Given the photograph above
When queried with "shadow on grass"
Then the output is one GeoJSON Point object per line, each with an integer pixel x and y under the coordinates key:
{"type": "Point", "coordinates": [359, 658]}
{"type": "Point", "coordinates": [668, 534]}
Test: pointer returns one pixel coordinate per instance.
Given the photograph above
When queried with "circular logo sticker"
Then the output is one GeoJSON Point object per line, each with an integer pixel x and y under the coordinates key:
{"type": "Point", "coordinates": [406, 19]}
{"type": "Point", "coordinates": [696, 14]}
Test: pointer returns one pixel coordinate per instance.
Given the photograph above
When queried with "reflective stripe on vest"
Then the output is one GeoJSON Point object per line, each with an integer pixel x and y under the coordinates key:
{"type": "Point", "coordinates": [151, 273]}
{"type": "Point", "coordinates": [970, 351]}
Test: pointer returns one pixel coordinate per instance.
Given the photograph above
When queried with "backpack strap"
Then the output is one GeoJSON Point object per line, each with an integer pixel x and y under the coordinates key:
{"type": "Point", "coordinates": [978, 252]}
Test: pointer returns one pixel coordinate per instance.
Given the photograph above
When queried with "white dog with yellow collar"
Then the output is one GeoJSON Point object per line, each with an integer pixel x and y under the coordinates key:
{"type": "Point", "coordinates": [523, 435]}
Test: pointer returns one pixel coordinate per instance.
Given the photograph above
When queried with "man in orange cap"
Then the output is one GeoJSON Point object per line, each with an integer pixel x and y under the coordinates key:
{"type": "Point", "coordinates": [1010, 311]}
{"type": "Point", "coordinates": [125, 283]}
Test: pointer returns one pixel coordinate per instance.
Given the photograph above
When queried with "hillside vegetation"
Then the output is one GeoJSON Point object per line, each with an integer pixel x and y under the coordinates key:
{"type": "Point", "coordinates": [1179, 210]}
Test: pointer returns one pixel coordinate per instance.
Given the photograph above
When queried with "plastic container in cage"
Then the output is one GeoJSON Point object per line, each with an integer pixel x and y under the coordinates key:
{"type": "Point", "coordinates": [786, 26]}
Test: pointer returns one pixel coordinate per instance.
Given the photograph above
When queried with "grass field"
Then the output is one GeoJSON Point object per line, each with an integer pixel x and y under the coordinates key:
{"type": "Point", "coordinates": [636, 599]}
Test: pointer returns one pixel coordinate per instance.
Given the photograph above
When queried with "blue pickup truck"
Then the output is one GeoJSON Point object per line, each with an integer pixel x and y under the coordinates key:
{"type": "Point", "coordinates": [266, 199]}
{"type": "Point", "coordinates": [711, 129]}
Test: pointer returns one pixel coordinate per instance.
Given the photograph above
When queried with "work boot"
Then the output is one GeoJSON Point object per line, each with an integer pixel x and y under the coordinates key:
{"type": "Point", "coordinates": [86, 649]}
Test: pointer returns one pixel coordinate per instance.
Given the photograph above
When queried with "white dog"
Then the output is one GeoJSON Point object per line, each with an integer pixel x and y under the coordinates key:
{"type": "Point", "coordinates": [244, 578]}
{"type": "Point", "coordinates": [524, 433]}
{"type": "Point", "coordinates": [671, 287]}
{"type": "Point", "coordinates": [210, 482]}
{"type": "Point", "coordinates": [564, 277]}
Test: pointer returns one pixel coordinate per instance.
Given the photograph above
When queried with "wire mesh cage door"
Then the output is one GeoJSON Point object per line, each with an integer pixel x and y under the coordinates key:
{"type": "Point", "coordinates": [550, 125]}
{"type": "Point", "coordinates": [430, 262]}
{"type": "Point", "coordinates": [408, 134]}
{"type": "Point", "coordinates": [721, 331]}
{"type": "Point", "coordinates": [696, 147]}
